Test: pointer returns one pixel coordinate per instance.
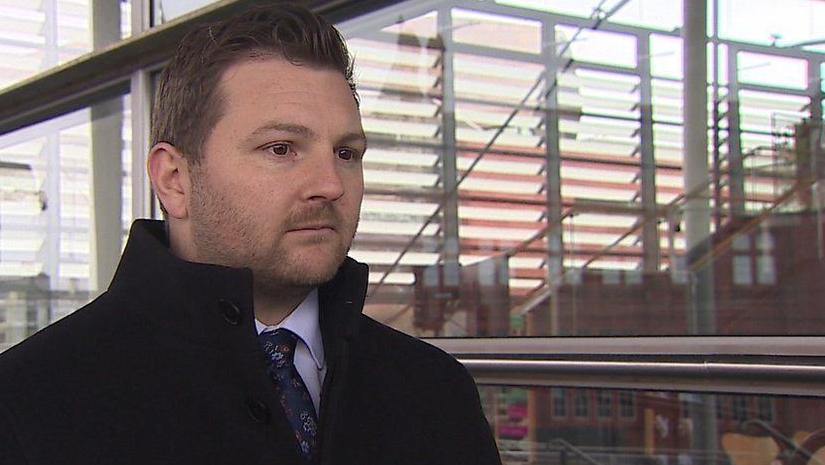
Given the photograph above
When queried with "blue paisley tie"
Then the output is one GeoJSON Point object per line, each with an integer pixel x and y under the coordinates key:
{"type": "Point", "coordinates": [279, 346]}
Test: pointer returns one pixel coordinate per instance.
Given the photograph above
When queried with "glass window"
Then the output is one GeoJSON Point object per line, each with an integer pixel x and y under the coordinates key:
{"type": "Point", "coordinates": [664, 427]}
{"type": "Point", "coordinates": [765, 409]}
{"type": "Point", "coordinates": [666, 56]}
{"type": "Point", "coordinates": [605, 404]}
{"type": "Point", "coordinates": [768, 22]}
{"type": "Point", "coordinates": [559, 396]}
{"type": "Point", "coordinates": [35, 36]}
{"type": "Point", "coordinates": [167, 10]}
{"type": "Point", "coordinates": [511, 196]}
{"type": "Point", "coordinates": [627, 404]}
{"type": "Point", "coordinates": [581, 403]}
{"type": "Point", "coordinates": [656, 14]}
{"type": "Point", "coordinates": [581, 8]}
{"type": "Point", "coordinates": [47, 223]}
{"type": "Point", "coordinates": [665, 15]}
{"type": "Point", "coordinates": [771, 70]}
{"type": "Point", "coordinates": [722, 407]}
{"type": "Point", "coordinates": [739, 411]}
{"type": "Point", "coordinates": [487, 29]}
{"type": "Point", "coordinates": [588, 45]}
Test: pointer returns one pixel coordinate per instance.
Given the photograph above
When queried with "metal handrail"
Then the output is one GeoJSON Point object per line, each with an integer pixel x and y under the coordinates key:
{"type": "Point", "coordinates": [784, 365]}
{"type": "Point", "coordinates": [700, 376]}
{"type": "Point", "coordinates": [575, 450]}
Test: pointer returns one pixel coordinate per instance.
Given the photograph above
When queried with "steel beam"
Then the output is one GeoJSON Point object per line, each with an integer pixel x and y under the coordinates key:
{"type": "Point", "coordinates": [552, 183]}
{"type": "Point", "coordinates": [650, 224]}
{"type": "Point", "coordinates": [449, 168]}
{"type": "Point", "coordinates": [107, 165]}
{"type": "Point", "coordinates": [736, 170]}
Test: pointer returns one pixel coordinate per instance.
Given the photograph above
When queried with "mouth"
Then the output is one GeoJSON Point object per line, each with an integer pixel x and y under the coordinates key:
{"type": "Point", "coordinates": [313, 228]}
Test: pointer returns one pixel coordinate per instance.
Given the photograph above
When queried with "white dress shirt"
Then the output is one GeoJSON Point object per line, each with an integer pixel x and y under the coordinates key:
{"type": "Point", "coordinates": [309, 352]}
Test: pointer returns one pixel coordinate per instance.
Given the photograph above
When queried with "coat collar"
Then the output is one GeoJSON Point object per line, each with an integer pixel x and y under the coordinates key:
{"type": "Point", "coordinates": [212, 304]}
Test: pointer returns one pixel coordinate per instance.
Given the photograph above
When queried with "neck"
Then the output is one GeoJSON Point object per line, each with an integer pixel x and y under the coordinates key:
{"type": "Point", "coordinates": [271, 307]}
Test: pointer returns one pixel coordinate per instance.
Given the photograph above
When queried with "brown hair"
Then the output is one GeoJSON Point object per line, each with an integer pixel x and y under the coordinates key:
{"type": "Point", "coordinates": [189, 103]}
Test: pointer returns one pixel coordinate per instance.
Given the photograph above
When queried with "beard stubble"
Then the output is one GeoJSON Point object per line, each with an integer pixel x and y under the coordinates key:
{"type": "Point", "coordinates": [228, 234]}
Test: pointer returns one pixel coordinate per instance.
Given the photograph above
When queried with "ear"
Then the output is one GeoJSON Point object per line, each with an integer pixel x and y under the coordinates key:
{"type": "Point", "coordinates": [169, 172]}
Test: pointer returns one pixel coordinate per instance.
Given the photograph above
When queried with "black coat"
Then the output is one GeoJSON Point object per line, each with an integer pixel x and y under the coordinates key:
{"type": "Point", "coordinates": [165, 368]}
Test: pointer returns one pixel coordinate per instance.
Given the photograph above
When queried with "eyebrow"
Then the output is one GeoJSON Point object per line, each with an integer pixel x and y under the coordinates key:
{"type": "Point", "coordinates": [306, 132]}
{"type": "Point", "coordinates": [297, 129]}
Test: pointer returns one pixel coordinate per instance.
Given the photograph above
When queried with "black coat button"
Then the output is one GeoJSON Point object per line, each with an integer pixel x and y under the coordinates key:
{"type": "Point", "coordinates": [258, 410]}
{"type": "Point", "coordinates": [231, 313]}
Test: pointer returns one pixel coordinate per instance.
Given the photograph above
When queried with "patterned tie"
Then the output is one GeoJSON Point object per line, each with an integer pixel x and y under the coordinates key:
{"type": "Point", "coordinates": [279, 346]}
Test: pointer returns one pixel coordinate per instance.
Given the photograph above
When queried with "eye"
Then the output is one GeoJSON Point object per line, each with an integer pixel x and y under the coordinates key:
{"type": "Point", "coordinates": [346, 154]}
{"type": "Point", "coordinates": [280, 149]}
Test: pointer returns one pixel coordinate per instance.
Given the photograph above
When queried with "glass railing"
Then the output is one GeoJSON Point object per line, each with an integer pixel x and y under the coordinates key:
{"type": "Point", "coordinates": [577, 426]}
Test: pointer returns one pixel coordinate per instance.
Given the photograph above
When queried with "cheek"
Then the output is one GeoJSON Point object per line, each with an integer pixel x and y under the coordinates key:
{"type": "Point", "coordinates": [269, 205]}
{"type": "Point", "coordinates": [262, 195]}
{"type": "Point", "coordinates": [355, 192]}
{"type": "Point", "coordinates": [355, 185]}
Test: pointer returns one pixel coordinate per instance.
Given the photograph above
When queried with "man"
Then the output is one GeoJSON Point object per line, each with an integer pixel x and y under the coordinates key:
{"type": "Point", "coordinates": [233, 333]}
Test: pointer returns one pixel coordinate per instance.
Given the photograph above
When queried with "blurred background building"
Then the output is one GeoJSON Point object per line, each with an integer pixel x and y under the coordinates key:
{"type": "Point", "coordinates": [609, 210]}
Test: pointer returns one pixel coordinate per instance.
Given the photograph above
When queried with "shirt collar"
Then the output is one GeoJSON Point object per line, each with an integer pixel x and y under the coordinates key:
{"type": "Point", "coordinates": [303, 321]}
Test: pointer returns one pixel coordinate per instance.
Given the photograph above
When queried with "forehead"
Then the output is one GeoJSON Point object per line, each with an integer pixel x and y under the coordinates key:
{"type": "Point", "coordinates": [260, 88]}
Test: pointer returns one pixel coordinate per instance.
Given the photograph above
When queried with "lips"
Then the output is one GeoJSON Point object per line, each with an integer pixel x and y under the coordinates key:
{"type": "Point", "coordinates": [312, 227]}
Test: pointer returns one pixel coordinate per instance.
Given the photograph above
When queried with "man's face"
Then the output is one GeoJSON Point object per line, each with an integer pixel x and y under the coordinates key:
{"type": "Point", "coordinates": [279, 187]}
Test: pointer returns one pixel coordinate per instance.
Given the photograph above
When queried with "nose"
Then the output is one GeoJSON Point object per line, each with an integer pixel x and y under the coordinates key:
{"type": "Point", "coordinates": [324, 180]}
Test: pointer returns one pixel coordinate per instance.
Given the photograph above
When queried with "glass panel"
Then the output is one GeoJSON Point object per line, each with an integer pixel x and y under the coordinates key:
{"type": "Point", "coordinates": [46, 213]}
{"type": "Point", "coordinates": [533, 425]}
{"type": "Point", "coordinates": [787, 23]}
{"type": "Point", "coordinates": [486, 29]}
{"type": "Point", "coordinates": [665, 15]}
{"type": "Point", "coordinates": [567, 214]}
{"type": "Point", "coordinates": [666, 56]}
{"type": "Point", "coordinates": [772, 71]}
{"type": "Point", "coordinates": [167, 10]}
{"type": "Point", "coordinates": [35, 36]}
{"type": "Point", "coordinates": [588, 45]}
{"type": "Point", "coordinates": [580, 8]}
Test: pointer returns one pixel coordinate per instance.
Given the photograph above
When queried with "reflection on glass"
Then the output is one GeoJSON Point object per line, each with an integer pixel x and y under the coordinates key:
{"type": "Point", "coordinates": [35, 36]}
{"type": "Point", "coordinates": [46, 203]}
{"type": "Point", "coordinates": [768, 22]}
{"type": "Point", "coordinates": [773, 71]}
{"type": "Point", "coordinates": [532, 426]}
{"type": "Point", "coordinates": [533, 184]}
{"type": "Point", "coordinates": [167, 10]}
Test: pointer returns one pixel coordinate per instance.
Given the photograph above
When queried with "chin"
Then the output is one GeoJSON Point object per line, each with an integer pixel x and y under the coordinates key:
{"type": "Point", "coordinates": [307, 272]}
{"type": "Point", "coordinates": [314, 277]}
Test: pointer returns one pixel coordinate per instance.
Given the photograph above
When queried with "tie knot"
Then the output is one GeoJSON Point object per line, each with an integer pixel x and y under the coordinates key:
{"type": "Point", "coordinates": [279, 346]}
